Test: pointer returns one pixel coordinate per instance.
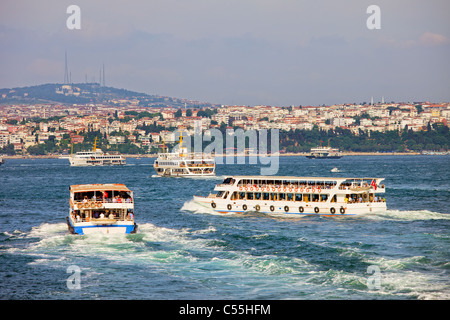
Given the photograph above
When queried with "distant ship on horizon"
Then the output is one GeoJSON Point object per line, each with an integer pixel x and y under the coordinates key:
{"type": "Point", "coordinates": [324, 153]}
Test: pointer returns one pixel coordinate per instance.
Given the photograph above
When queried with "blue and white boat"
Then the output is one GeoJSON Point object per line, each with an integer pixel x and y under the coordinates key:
{"type": "Point", "coordinates": [101, 208]}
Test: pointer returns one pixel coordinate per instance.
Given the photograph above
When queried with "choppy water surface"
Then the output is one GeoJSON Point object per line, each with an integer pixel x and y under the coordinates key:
{"type": "Point", "coordinates": [182, 251]}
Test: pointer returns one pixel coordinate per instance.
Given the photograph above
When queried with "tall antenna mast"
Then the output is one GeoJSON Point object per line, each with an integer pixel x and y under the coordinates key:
{"type": "Point", "coordinates": [103, 74]}
{"type": "Point", "coordinates": [66, 71]}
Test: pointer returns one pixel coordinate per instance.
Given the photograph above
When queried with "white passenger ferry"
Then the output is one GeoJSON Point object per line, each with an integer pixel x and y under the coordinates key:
{"type": "Point", "coordinates": [324, 153]}
{"type": "Point", "coordinates": [184, 164]}
{"type": "Point", "coordinates": [101, 208]}
{"type": "Point", "coordinates": [296, 195]}
{"type": "Point", "coordinates": [96, 157]}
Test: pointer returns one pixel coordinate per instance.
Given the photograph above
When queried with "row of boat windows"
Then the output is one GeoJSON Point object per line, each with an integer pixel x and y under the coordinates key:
{"type": "Point", "coordinates": [306, 197]}
{"type": "Point", "coordinates": [107, 196]}
{"type": "Point", "coordinates": [101, 157]}
{"type": "Point", "coordinates": [177, 163]}
{"type": "Point", "coordinates": [118, 214]}
{"type": "Point", "coordinates": [270, 196]}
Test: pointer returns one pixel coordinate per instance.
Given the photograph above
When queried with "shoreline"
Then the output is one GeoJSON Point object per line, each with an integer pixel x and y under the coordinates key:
{"type": "Point", "coordinates": [138, 156]}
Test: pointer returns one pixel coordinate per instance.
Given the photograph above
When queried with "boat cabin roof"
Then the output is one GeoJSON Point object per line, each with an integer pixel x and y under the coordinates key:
{"type": "Point", "coordinates": [99, 187]}
{"type": "Point", "coordinates": [337, 179]}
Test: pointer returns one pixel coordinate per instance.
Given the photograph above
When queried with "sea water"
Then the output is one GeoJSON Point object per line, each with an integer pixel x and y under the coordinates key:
{"type": "Point", "coordinates": [184, 251]}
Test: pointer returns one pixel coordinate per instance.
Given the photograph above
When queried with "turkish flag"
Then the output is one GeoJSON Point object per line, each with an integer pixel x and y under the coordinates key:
{"type": "Point", "coordinates": [374, 184]}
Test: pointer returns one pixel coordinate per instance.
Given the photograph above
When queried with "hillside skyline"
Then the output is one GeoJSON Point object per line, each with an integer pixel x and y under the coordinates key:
{"type": "Point", "coordinates": [248, 52]}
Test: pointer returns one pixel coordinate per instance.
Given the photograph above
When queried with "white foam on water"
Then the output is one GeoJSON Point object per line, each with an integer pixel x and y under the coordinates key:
{"type": "Point", "coordinates": [409, 215]}
{"type": "Point", "coordinates": [195, 207]}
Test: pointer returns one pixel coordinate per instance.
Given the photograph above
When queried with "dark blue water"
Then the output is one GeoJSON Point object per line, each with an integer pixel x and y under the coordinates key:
{"type": "Point", "coordinates": [184, 252]}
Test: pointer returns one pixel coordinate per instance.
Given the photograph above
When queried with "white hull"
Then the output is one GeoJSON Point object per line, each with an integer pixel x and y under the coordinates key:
{"type": "Point", "coordinates": [119, 227]}
{"type": "Point", "coordinates": [174, 172]}
{"type": "Point", "coordinates": [289, 207]}
{"type": "Point", "coordinates": [85, 163]}
{"type": "Point", "coordinates": [96, 158]}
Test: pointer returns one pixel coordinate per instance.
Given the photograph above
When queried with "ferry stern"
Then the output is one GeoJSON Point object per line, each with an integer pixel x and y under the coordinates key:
{"type": "Point", "coordinates": [101, 208]}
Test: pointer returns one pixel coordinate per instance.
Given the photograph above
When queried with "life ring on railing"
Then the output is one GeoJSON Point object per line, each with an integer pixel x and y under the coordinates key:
{"type": "Point", "coordinates": [313, 190]}
{"type": "Point", "coordinates": [301, 189]}
{"type": "Point", "coordinates": [229, 206]}
{"type": "Point", "coordinates": [99, 204]}
{"type": "Point", "coordinates": [240, 188]}
{"type": "Point", "coordinates": [301, 209]}
{"type": "Point", "coordinates": [296, 189]}
{"type": "Point", "coordinates": [332, 210]}
{"type": "Point", "coordinates": [251, 188]}
{"type": "Point", "coordinates": [244, 207]}
{"type": "Point", "coordinates": [290, 189]}
{"type": "Point", "coordinates": [284, 189]}
{"type": "Point", "coordinates": [257, 207]}
{"type": "Point", "coordinates": [213, 205]}
{"type": "Point", "coordinates": [342, 210]}
{"type": "Point", "coordinates": [319, 190]}
{"type": "Point", "coordinates": [286, 208]}
{"type": "Point", "coordinates": [272, 208]}
{"type": "Point", "coordinates": [316, 209]}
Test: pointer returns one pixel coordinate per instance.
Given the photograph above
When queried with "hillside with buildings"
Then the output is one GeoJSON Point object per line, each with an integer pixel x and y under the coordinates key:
{"type": "Point", "coordinates": [128, 122]}
{"type": "Point", "coordinates": [89, 93]}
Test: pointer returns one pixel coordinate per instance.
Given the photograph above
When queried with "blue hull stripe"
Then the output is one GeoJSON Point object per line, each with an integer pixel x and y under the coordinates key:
{"type": "Point", "coordinates": [79, 230]}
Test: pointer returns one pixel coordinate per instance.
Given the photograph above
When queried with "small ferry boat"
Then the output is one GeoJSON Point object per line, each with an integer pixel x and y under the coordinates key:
{"type": "Point", "coordinates": [96, 157]}
{"type": "Point", "coordinates": [1, 161]}
{"type": "Point", "coordinates": [184, 164]}
{"type": "Point", "coordinates": [101, 208]}
{"type": "Point", "coordinates": [296, 195]}
{"type": "Point", "coordinates": [324, 153]}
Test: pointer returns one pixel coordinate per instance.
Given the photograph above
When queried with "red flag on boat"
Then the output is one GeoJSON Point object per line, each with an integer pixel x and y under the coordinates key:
{"type": "Point", "coordinates": [374, 184]}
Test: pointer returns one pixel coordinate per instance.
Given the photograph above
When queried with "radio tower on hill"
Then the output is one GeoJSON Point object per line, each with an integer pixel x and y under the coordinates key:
{"type": "Point", "coordinates": [66, 71]}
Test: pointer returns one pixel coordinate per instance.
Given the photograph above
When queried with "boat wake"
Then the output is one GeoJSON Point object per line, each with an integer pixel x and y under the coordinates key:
{"type": "Point", "coordinates": [408, 215]}
{"type": "Point", "coordinates": [194, 207]}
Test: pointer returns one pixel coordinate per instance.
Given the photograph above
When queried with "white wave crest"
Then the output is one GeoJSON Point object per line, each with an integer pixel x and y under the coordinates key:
{"type": "Point", "coordinates": [409, 215]}
{"type": "Point", "coordinates": [194, 207]}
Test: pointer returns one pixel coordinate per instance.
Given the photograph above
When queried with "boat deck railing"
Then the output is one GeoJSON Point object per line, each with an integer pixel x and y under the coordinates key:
{"type": "Point", "coordinates": [95, 204]}
{"type": "Point", "coordinates": [184, 156]}
{"type": "Point", "coordinates": [105, 219]}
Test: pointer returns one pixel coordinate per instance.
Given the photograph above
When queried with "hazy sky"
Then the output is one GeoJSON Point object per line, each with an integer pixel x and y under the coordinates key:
{"type": "Point", "coordinates": [246, 52]}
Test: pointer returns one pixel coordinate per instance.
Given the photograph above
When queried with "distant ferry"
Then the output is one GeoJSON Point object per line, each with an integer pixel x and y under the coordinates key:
{"type": "Point", "coordinates": [184, 164]}
{"type": "Point", "coordinates": [296, 195]}
{"type": "Point", "coordinates": [101, 208]}
{"type": "Point", "coordinates": [96, 157]}
{"type": "Point", "coordinates": [324, 153]}
{"type": "Point", "coordinates": [2, 161]}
